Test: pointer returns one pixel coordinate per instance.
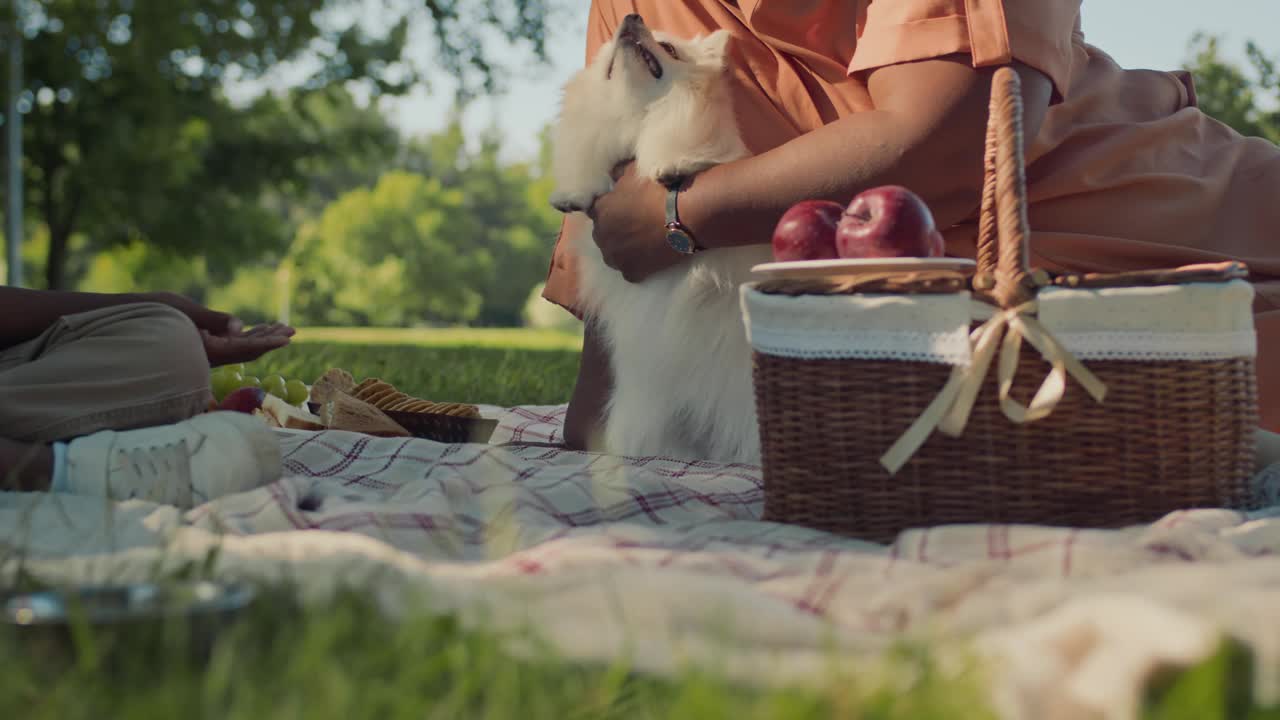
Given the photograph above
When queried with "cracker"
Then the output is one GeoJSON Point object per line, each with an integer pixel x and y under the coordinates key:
{"type": "Point", "coordinates": [374, 390]}
{"type": "Point", "coordinates": [382, 399]}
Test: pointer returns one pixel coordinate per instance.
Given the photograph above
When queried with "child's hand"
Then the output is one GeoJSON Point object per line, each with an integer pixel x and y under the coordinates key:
{"type": "Point", "coordinates": [225, 339]}
{"type": "Point", "coordinates": [245, 346]}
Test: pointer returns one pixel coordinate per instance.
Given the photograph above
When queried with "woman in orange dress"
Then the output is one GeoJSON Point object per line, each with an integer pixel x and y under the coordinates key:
{"type": "Point", "coordinates": [835, 97]}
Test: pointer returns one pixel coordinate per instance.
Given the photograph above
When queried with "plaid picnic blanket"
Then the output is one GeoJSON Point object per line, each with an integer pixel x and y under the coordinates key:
{"type": "Point", "coordinates": [668, 561]}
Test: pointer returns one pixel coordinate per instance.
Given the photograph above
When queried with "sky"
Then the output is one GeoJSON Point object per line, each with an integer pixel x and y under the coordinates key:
{"type": "Point", "coordinates": [1137, 33]}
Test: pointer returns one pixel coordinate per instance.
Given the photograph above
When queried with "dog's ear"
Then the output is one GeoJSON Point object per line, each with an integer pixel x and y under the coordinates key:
{"type": "Point", "coordinates": [714, 48]}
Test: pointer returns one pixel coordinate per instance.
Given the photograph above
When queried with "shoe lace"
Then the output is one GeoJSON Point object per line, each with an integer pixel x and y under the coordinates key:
{"type": "Point", "coordinates": [160, 470]}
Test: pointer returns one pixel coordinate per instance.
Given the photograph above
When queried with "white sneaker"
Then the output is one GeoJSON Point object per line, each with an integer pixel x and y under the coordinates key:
{"type": "Point", "coordinates": [185, 464]}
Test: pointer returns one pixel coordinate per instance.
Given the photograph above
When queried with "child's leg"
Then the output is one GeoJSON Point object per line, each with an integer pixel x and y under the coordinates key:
{"type": "Point", "coordinates": [183, 464]}
{"type": "Point", "coordinates": [117, 368]}
{"type": "Point", "coordinates": [136, 368]}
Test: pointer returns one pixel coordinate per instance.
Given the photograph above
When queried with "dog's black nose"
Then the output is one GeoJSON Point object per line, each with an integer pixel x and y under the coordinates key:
{"type": "Point", "coordinates": [632, 19]}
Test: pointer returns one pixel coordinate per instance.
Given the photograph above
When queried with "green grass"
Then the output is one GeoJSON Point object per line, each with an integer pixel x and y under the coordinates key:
{"type": "Point", "coordinates": [343, 661]}
{"type": "Point", "coordinates": [496, 366]}
{"type": "Point", "coordinates": [502, 338]}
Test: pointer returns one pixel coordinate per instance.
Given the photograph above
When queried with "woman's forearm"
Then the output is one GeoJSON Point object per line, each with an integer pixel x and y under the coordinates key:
{"type": "Point", "coordinates": [927, 134]}
{"type": "Point", "coordinates": [739, 203]}
{"type": "Point", "coordinates": [24, 314]}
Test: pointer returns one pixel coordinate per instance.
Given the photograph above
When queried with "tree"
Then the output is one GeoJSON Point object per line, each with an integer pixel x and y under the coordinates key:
{"type": "Point", "coordinates": [458, 27]}
{"type": "Point", "coordinates": [460, 238]}
{"type": "Point", "coordinates": [508, 206]}
{"type": "Point", "coordinates": [131, 138]}
{"type": "Point", "coordinates": [1228, 93]}
{"type": "Point", "coordinates": [393, 255]}
{"type": "Point", "coordinates": [361, 144]}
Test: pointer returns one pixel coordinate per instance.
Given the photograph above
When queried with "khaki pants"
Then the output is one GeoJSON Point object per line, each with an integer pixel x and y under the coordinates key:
{"type": "Point", "coordinates": [117, 368]}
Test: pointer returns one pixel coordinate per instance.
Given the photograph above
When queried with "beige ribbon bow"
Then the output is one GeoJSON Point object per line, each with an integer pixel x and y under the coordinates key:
{"type": "Point", "coordinates": [949, 411]}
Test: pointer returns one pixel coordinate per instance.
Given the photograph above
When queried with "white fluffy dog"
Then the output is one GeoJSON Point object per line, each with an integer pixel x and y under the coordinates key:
{"type": "Point", "coordinates": [681, 361]}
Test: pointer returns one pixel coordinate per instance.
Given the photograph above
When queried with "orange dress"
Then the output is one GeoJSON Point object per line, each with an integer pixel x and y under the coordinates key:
{"type": "Point", "coordinates": [1125, 174]}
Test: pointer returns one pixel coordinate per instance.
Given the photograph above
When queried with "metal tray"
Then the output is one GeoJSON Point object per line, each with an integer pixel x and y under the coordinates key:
{"type": "Point", "coordinates": [127, 603]}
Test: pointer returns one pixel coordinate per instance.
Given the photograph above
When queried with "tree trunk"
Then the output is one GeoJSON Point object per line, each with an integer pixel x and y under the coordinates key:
{"type": "Point", "coordinates": [55, 269]}
{"type": "Point", "coordinates": [60, 231]}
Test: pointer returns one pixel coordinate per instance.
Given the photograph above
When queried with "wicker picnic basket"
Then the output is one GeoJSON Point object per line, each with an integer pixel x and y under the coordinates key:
{"type": "Point", "coordinates": [912, 399]}
{"type": "Point", "coordinates": [445, 428]}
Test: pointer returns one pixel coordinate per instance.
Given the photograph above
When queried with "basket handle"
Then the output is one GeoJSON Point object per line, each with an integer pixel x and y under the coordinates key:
{"type": "Point", "coordinates": [1003, 228]}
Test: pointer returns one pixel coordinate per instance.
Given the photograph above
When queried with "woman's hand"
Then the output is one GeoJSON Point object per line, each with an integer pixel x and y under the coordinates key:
{"type": "Point", "coordinates": [630, 226]}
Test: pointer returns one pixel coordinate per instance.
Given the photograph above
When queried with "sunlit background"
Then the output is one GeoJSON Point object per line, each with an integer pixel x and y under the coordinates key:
{"type": "Point", "coordinates": [373, 164]}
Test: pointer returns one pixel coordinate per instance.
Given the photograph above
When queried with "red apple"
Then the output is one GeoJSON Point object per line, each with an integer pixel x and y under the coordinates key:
{"type": "Point", "coordinates": [885, 222]}
{"type": "Point", "coordinates": [807, 231]}
{"type": "Point", "coordinates": [245, 400]}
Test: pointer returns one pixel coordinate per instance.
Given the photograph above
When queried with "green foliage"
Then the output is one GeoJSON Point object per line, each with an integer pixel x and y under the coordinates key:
{"type": "Point", "coordinates": [355, 144]}
{"type": "Point", "coordinates": [509, 205]}
{"type": "Point", "coordinates": [1247, 99]}
{"type": "Point", "coordinates": [460, 240]}
{"type": "Point", "coordinates": [390, 256]}
{"type": "Point", "coordinates": [35, 252]}
{"type": "Point", "coordinates": [458, 28]}
{"type": "Point", "coordinates": [117, 270]}
{"type": "Point", "coordinates": [1219, 688]}
{"type": "Point", "coordinates": [216, 239]}
{"type": "Point", "coordinates": [130, 138]}
{"type": "Point", "coordinates": [256, 294]}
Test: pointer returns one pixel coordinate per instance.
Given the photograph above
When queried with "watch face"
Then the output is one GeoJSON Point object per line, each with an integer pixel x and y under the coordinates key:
{"type": "Point", "coordinates": [679, 241]}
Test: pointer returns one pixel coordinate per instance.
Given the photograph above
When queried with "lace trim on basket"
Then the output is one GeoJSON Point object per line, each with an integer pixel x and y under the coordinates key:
{"type": "Point", "coordinates": [953, 348]}
{"type": "Point", "coordinates": [949, 348]}
{"type": "Point", "coordinates": [1139, 346]}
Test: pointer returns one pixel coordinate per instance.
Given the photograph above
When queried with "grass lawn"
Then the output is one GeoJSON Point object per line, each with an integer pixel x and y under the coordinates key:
{"type": "Point", "coordinates": [496, 366]}
{"type": "Point", "coordinates": [343, 662]}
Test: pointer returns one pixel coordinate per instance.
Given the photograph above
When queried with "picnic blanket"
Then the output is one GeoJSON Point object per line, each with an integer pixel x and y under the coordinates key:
{"type": "Point", "coordinates": [668, 562]}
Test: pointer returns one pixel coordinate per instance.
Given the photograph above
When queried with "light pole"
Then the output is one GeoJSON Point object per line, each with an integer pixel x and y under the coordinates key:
{"type": "Point", "coordinates": [13, 155]}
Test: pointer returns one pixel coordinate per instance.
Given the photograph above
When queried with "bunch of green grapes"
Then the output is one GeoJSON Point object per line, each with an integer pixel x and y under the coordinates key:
{"type": "Point", "coordinates": [230, 378]}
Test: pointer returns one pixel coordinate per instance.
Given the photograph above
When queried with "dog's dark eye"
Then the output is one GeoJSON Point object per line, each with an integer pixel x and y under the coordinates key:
{"type": "Point", "coordinates": [671, 49]}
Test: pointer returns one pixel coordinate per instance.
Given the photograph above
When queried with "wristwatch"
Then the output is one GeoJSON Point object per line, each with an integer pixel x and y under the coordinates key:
{"type": "Point", "coordinates": [679, 237]}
